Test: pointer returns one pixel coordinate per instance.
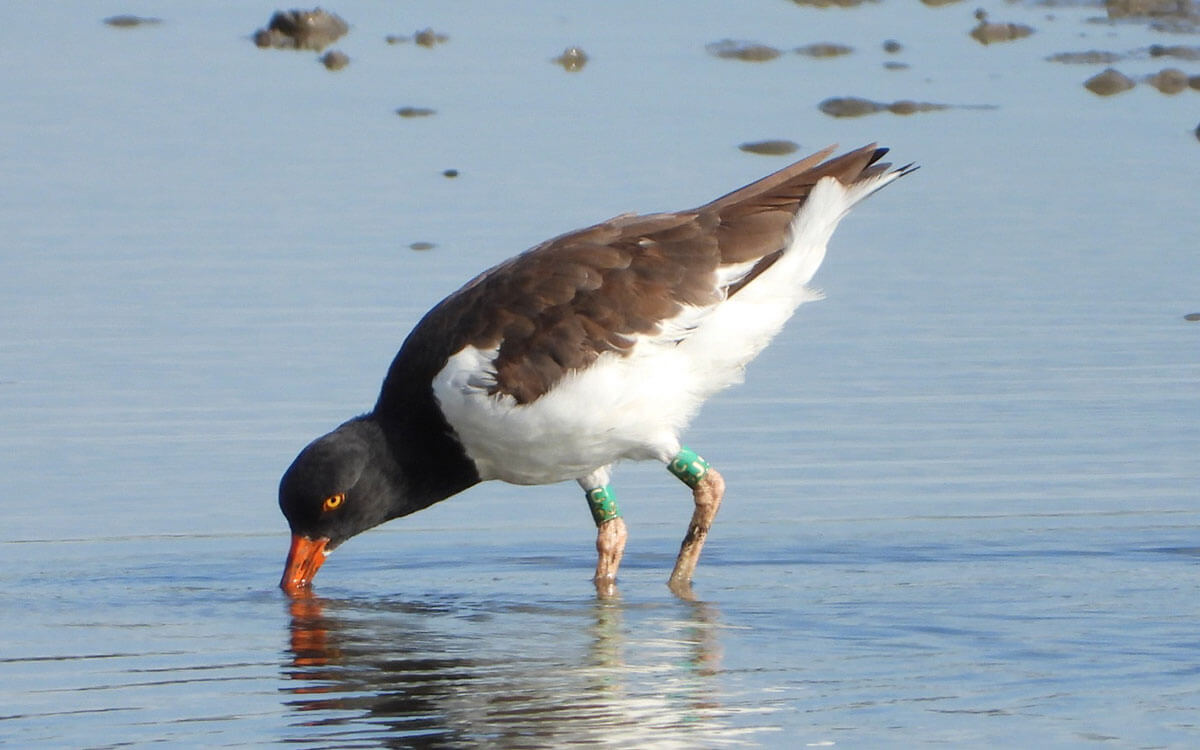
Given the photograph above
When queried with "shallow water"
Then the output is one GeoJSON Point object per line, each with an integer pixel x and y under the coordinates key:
{"type": "Point", "coordinates": [963, 488]}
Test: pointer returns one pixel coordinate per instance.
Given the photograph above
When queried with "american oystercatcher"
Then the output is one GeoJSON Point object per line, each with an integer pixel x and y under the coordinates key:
{"type": "Point", "coordinates": [594, 347]}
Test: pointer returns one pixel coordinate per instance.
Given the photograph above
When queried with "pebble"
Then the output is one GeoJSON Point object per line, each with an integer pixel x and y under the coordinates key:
{"type": "Point", "coordinates": [850, 106]}
{"type": "Point", "coordinates": [335, 60]}
{"type": "Point", "coordinates": [908, 107]}
{"type": "Point", "coordinates": [824, 49]}
{"type": "Point", "coordinates": [1091, 57]}
{"type": "Point", "coordinates": [572, 59]}
{"type": "Point", "coordinates": [1109, 82]}
{"type": "Point", "coordinates": [429, 38]}
{"type": "Point", "coordinates": [731, 49]}
{"type": "Point", "coordinates": [775, 147]}
{"type": "Point", "coordinates": [128, 22]}
{"type": "Point", "coordinates": [1179, 51]}
{"type": "Point", "coordinates": [424, 38]}
{"type": "Point", "coordinates": [1127, 8]}
{"type": "Point", "coordinates": [1169, 80]}
{"type": "Point", "coordinates": [301, 29]}
{"type": "Point", "coordinates": [990, 33]}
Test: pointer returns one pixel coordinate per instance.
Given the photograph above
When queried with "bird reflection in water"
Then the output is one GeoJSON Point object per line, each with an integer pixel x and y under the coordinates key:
{"type": "Point", "coordinates": [310, 647]}
{"type": "Point", "coordinates": [420, 675]}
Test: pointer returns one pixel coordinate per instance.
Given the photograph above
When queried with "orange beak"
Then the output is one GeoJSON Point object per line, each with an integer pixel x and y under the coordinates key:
{"type": "Point", "coordinates": [303, 561]}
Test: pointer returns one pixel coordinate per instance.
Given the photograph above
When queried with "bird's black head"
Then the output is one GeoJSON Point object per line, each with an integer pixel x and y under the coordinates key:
{"type": "Point", "coordinates": [340, 485]}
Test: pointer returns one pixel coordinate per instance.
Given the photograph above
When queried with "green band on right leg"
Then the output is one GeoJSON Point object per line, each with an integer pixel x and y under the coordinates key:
{"type": "Point", "coordinates": [688, 466]}
{"type": "Point", "coordinates": [603, 504]}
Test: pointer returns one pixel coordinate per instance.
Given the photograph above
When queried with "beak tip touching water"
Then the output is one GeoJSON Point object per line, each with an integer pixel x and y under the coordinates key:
{"type": "Point", "coordinates": [303, 561]}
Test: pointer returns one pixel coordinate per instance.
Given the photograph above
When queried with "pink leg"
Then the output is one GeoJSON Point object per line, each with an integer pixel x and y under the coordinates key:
{"type": "Point", "coordinates": [610, 546]}
{"type": "Point", "coordinates": [707, 495]}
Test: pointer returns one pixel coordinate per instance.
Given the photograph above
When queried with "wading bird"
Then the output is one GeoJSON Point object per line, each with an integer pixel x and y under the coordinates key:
{"type": "Point", "coordinates": [594, 347]}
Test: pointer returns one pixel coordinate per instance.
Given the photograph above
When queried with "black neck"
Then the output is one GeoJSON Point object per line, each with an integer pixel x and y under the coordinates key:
{"type": "Point", "coordinates": [428, 460]}
{"type": "Point", "coordinates": [430, 463]}
{"type": "Point", "coordinates": [428, 455]}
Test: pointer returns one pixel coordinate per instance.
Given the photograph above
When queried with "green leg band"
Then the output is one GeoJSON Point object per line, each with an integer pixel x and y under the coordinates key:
{"type": "Point", "coordinates": [603, 504]}
{"type": "Point", "coordinates": [688, 466]}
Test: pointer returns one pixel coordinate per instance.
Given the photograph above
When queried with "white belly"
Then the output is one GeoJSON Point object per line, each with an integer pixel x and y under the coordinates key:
{"type": "Point", "coordinates": [619, 408]}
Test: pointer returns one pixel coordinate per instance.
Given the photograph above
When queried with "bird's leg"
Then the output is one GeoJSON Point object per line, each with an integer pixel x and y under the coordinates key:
{"type": "Point", "coordinates": [707, 490]}
{"type": "Point", "coordinates": [610, 538]}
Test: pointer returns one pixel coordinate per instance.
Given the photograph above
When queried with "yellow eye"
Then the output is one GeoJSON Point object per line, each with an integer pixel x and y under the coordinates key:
{"type": "Point", "coordinates": [333, 502]}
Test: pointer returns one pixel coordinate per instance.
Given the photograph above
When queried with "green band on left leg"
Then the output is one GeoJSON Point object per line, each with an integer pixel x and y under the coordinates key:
{"type": "Point", "coordinates": [603, 504]}
{"type": "Point", "coordinates": [688, 466]}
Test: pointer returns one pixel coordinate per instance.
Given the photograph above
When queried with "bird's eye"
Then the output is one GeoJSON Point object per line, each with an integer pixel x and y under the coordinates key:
{"type": "Point", "coordinates": [333, 502]}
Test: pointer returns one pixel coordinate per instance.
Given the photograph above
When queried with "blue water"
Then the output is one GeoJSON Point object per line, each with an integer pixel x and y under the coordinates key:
{"type": "Point", "coordinates": [963, 504]}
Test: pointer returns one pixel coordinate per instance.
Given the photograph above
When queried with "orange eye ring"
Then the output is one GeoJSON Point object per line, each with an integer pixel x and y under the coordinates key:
{"type": "Point", "coordinates": [333, 502]}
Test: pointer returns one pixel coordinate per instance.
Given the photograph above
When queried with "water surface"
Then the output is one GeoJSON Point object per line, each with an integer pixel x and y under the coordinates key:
{"type": "Point", "coordinates": [963, 488]}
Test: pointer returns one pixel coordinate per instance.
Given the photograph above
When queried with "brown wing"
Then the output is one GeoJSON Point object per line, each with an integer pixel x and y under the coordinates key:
{"type": "Point", "coordinates": [559, 306]}
{"type": "Point", "coordinates": [754, 220]}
